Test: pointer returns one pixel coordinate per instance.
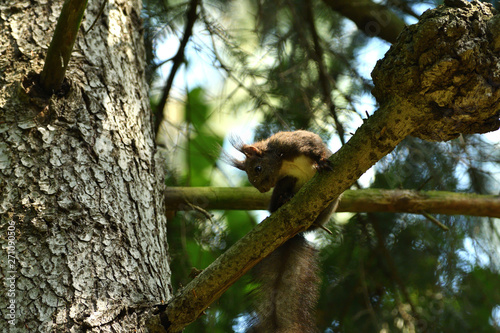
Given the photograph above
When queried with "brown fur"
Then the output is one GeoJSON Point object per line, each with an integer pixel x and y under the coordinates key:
{"type": "Point", "coordinates": [288, 292]}
{"type": "Point", "coordinates": [288, 277]}
{"type": "Point", "coordinates": [264, 159]}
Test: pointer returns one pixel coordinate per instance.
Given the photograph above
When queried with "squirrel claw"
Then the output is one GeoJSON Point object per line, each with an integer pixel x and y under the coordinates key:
{"type": "Point", "coordinates": [324, 165]}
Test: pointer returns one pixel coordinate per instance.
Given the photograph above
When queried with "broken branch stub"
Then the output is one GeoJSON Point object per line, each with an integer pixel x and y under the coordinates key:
{"type": "Point", "coordinates": [446, 67]}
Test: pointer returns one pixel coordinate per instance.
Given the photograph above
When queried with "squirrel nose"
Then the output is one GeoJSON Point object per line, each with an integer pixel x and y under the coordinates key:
{"type": "Point", "coordinates": [263, 189]}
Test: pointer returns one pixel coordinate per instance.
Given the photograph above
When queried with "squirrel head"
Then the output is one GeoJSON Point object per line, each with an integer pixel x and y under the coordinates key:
{"type": "Point", "coordinates": [262, 168]}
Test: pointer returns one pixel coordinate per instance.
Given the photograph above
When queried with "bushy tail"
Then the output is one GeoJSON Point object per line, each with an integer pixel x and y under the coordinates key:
{"type": "Point", "coordinates": [288, 292]}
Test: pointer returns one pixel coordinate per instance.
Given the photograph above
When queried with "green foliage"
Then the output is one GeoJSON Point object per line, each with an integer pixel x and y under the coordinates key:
{"type": "Point", "coordinates": [202, 144]}
{"type": "Point", "coordinates": [195, 241]}
{"type": "Point", "coordinates": [381, 272]}
{"type": "Point", "coordinates": [397, 272]}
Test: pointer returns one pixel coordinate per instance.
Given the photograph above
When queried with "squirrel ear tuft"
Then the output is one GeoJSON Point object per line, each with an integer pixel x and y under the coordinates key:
{"type": "Point", "coordinates": [236, 142]}
{"type": "Point", "coordinates": [250, 151]}
{"type": "Point", "coordinates": [238, 164]}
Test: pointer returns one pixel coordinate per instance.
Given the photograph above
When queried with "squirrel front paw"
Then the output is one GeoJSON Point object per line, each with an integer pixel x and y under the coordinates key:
{"type": "Point", "coordinates": [324, 164]}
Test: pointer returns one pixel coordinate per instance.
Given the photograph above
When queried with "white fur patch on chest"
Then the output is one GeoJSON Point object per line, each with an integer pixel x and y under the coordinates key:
{"type": "Point", "coordinates": [301, 167]}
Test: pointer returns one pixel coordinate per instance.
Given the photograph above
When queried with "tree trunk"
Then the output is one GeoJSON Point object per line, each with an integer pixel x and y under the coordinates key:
{"type": "Point", "coordinates": [82, 228]}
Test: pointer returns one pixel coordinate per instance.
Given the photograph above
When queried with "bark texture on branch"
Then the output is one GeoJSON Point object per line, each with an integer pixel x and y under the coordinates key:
{"type": "Point", "coordinates": [447, 66]}
{"type": "Point", "coordinates": [356, 201]}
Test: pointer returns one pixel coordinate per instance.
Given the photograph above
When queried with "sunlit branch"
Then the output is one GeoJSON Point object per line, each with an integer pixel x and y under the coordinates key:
{"type": "Point", "coordinates": [355, 201]}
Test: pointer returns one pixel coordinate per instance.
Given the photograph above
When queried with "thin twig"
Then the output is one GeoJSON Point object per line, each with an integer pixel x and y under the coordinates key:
{"type": "Point", "coordinates": [328, 231]}
{"type": "Point", "coordinates": [101, 10]}
{"type": "Point", "coordinates": [326, 80]}
{"type": "Point", "coordinates": [435, 221]}
{"type": "Point", "coordinates": [201, 210]}
{"type": "Point", "coordinates": [177, 60]}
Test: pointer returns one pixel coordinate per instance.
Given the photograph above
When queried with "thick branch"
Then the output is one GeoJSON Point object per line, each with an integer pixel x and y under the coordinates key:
{"type": "Point", "coordinates": [446, 66]}
{"type": "Point", "coordinates": [356, 201]}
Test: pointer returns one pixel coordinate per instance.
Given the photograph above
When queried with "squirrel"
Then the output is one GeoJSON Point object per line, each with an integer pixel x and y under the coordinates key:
{"type": "Point", "coordinates": [288, 277]}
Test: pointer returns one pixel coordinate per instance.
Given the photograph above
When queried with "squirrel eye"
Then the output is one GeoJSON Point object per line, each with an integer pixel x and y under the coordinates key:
{"type": "Point", "coordinates": [258, 169]}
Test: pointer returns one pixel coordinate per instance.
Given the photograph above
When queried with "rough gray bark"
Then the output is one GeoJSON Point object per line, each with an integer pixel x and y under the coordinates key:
{"type": "Point", "coordinates": [81, 190]}
{"type": "Point", "coordinates": [446, 68]}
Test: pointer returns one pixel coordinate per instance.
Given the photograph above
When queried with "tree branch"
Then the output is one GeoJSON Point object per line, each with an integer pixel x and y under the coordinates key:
{"type": "Point", "coordinates": [59, 52]}
{"type": "Point", "coordinates": [374, 19]}
{"type": "Point", "coordinates": [178, 59]}
{"type": "Point", "coordinates": [355, 201]}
